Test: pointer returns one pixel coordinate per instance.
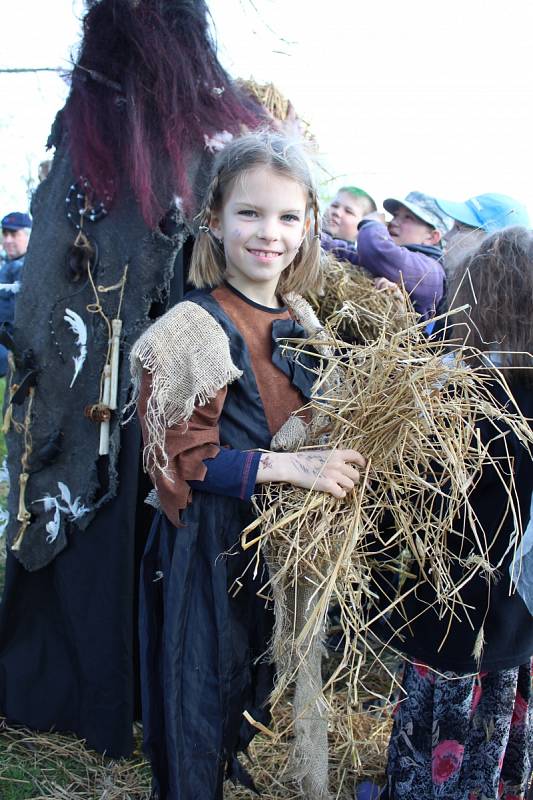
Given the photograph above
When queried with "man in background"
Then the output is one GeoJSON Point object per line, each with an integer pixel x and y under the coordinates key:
{"type": "Point", "coordinates": [16, 229]}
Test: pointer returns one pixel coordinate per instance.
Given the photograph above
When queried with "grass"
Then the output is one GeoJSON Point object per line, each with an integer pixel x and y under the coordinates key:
{"type": "Point", "coordinates": [35, 766]}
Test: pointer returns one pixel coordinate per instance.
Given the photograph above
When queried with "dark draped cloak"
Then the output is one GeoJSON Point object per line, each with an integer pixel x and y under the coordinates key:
{"type": "Point", "coordinates": [68, 617]}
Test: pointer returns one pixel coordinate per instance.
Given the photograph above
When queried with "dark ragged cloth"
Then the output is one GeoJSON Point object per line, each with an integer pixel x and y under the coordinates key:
{"type": "Point", "coordinates": [68, 617]}
{"type": "Point", "coordinates": [46, 293]}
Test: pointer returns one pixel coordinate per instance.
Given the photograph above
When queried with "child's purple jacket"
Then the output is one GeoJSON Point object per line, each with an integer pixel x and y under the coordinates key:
{"type": "Point", "coordinates": [418, 266]}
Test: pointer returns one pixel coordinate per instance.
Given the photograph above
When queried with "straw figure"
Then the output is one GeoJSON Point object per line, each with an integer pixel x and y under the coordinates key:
{"type": "Point", "coordinates": [410, 406]}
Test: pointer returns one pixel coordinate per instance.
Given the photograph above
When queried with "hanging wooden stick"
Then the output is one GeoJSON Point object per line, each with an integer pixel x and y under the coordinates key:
{"type": "Point", "coordinates": [116, 326]}
{"type": "Point", "coordinates": [24, 516]}
{"type": "Point", "coordinates": [101, 412]}
{"type": "Point", "coordinates": [104, 426]}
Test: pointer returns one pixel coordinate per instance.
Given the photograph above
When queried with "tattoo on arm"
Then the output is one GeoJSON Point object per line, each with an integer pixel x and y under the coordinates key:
{"type": "Point", "coordinates": [307, 464]}
{"type": "Point", "coordinates": [266, 461]}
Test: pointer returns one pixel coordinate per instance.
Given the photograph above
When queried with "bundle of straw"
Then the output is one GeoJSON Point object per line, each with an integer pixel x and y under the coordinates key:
{"type": "Point", "coordinates": [411, 410]}
{"type": "Point", "coordinates": [358, 735]}
{"type": "Point", "coordinates": [358, 740]}
{"type": "Point", "coordinates": [276, 105]}
{"type": "Point", "coordinates": [269, 96]}
{"type": "Point", "coordinates": [369, 311]}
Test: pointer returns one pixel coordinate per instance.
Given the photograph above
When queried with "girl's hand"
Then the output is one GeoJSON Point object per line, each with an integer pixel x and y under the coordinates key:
{"type": "Point", "coordinates": [333, 471]}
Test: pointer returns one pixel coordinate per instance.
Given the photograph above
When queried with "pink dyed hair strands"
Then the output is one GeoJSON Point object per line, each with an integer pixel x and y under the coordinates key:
{"type": "Point", "coordinates": [146, 89]}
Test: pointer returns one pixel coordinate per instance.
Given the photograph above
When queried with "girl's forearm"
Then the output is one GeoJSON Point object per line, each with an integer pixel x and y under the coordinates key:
{"type": "Point", "coordinates": [332, 471]}
{"type": "Point", "coordinates": [272, 468]}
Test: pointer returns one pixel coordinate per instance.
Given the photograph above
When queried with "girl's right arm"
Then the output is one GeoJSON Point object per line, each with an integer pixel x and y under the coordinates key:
{"type": "Point", "coordinates": [333, 471]}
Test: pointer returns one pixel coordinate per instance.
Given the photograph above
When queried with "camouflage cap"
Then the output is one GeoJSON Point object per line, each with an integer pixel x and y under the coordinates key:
{"type": "Point", "coordinates": [424, 207]}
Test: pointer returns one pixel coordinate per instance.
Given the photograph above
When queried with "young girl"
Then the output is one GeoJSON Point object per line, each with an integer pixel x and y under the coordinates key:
{"type": "Point", "coordinates": [214, 389]}
{"type": "Point", "coordinates": [464, 728]}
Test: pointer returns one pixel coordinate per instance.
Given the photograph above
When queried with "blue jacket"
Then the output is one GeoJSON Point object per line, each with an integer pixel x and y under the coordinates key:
{"type": "Point", "coordinates": [10, 278]}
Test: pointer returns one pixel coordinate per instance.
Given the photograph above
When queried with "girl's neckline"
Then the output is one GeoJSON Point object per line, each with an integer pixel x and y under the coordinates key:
{"type": "Point", "coordinates": [247, 300]}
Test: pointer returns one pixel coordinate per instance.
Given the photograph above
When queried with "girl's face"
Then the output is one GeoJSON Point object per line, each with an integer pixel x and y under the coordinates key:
{"type": "Point", "coordinates": [262, 225]}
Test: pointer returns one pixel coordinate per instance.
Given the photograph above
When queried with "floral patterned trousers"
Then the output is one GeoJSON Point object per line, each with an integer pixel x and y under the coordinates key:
{"type": "Point", "coordinates": [462, 738]}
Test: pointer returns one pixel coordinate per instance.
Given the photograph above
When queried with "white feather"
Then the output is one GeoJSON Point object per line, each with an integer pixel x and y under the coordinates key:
{"type": "Point", "coordinates": [74, 510]}
{"type": "Point", "coordinates": [65, 492]}
{"type": "Point", "coordinates": [49, 502]}
{"type": "Point", "coordinates": [77, 326]}
{"type": "Point", "coordinates": [52, 527]}
{"type": "Point", "coordinates": [77, 510]}
{"type": "Point", "coordinates": [78, 364]}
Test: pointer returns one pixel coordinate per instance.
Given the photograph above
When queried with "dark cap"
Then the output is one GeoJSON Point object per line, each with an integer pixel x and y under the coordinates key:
{"type": "Point", "coordinates": [15, 221]}
{"type": "Point", "coordinates": [424, 207]}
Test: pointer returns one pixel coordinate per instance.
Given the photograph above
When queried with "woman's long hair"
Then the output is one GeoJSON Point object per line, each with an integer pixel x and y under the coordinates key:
{"type": "Point", "coordinates": [146, 90]}
{"type": "Point", "coordinates": [496, 283]}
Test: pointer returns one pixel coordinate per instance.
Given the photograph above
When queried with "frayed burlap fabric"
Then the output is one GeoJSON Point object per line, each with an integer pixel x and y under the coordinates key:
{"type": "Point", "coordinates": [297, 649]}
{"type": "Point", "coordinates": [187, 354]}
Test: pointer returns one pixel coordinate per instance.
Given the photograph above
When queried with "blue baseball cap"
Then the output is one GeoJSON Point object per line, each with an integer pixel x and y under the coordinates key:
{"type": "Point", "coordinates": [15, 221]}
{"type": "Point", "coordinates": [491, 212]}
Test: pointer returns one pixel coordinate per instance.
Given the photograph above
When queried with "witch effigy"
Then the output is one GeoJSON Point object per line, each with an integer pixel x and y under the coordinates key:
{"type": "Point", "coordinates": [113, 226]}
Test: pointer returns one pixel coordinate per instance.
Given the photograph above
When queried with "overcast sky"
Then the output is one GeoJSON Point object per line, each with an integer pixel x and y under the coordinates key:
{"type": "Point", "coordinates": [420, 95]}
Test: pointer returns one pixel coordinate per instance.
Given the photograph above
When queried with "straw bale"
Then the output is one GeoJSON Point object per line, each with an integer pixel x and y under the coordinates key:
{"type": "Point", "coordinates": [411, 410]}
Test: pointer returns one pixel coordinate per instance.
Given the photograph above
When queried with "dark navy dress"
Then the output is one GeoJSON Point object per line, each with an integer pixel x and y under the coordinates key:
{"type": "Point", "coordinates": [204, 631]}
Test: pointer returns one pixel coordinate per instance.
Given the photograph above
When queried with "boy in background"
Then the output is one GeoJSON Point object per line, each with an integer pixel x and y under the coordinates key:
{"type": "Point", "coordinates": [407, 251]}
{"type": "Point", "coordinates": [343, 215]}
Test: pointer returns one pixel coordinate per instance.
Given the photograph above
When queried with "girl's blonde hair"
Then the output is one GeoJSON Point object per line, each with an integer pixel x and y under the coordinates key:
{"type": "Point", "coordinates": [285, 157]}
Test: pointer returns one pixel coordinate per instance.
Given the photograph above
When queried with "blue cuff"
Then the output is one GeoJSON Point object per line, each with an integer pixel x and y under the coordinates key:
{"type": "Point", "coordinates": [231, 473]}
{"type": "Point", "coordinates": [249, 477]}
